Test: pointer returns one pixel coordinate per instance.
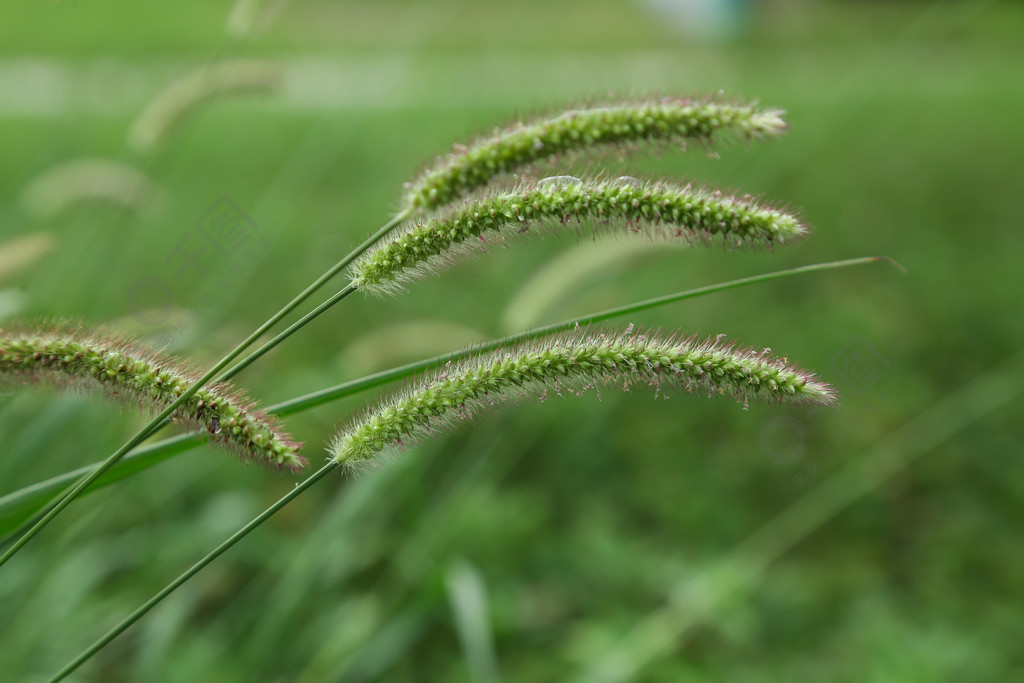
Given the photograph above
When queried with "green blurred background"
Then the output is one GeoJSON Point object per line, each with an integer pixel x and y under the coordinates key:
{"type": "Point", "coordinates": [620, 539]}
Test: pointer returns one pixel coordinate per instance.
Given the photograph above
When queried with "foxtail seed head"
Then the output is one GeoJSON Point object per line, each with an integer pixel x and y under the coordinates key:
{"type": "Point", "coordinates": [81, 180]}
{"type": "Point", "coordinates": [653, 209]}
{"type": "Point", "coordinates": [575, 361]}
{"type": "Point", "coordinates": [123, 370]}
{"type": "Point", "coordinates": [176, 101]}
{"type": "Point", "coordinates": [623, 125]}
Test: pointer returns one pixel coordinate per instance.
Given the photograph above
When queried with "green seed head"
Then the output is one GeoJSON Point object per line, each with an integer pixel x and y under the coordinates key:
{"type": "Point", "coordinates": [573, 361]}
{"type": "Point", "coordinates": [70, 356]}
{"type": "Point", "coordinates": [622, 125]}
{"type": "Point", "coordinates": [658, 210]}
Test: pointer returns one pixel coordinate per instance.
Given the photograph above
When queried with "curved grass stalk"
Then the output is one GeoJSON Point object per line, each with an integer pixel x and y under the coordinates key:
{"type": "Point", "coordinates": [20, 504]}
{"type": "Point", "coordinates": [73, 357]}
{"type": "Point", "coordinates": [389, 344]}
{"type": "Point", "coordinates": [577, 130]}
{"type": "Point", "coordinates": [657, 210]}
{"type": "Point", "coordinates": [553, 282]}
{"type": "Point", "coordinates": [599, 126]}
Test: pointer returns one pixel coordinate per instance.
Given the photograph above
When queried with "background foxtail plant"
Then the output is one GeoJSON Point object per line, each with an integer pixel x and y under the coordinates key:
{"type": "Point", "coordinates": [467, 198]}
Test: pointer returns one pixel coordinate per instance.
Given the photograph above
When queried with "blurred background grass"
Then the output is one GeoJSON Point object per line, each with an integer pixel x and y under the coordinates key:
{"type": "Point", "coordinates": [530, 545]}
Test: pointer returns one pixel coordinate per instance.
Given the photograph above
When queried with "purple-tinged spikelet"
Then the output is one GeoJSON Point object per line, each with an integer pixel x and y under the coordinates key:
{"type": "Point", "coordinates": [655, 209]}
{"type": "Point", "coordinates": [69, 356]}
{"type": "Point", "coordinates": [573, 361]}
{"type": "Point", "coordinates": [600, 126]}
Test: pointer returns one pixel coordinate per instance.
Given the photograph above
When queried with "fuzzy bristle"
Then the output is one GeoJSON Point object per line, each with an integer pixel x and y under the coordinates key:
{"type": "Point", "coordinates": [573, 361]}
{"type": "Point", "coordinates": [653, 209]}
{"type": "Point", "coordinates": [622, 125]}
{"type": "Point", "coordinates": [71, 356]}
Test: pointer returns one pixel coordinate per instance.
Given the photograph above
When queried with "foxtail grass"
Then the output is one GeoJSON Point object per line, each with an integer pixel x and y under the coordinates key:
{"type": "Point", "coordinates": [572, 362]}
{"type": "Point", "coordinates": [654, 209]}
{"type": "Point", "coordinates": [619, 125]}
{"type": "Point", "coordinates": [123, 370]}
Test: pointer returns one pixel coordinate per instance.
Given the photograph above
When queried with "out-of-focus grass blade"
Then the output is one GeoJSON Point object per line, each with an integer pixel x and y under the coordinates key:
{"type": "Point", "coordinates": [467, 594]}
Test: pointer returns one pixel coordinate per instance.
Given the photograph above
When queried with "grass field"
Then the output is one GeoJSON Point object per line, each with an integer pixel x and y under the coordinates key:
{"type": "Point", "coordinates": [620, 539]}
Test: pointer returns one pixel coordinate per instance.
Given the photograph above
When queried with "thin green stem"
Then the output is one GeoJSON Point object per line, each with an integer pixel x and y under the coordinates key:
{"type": "Point", "coordinates": [330, 394]}
{"type": "Point", "coordinates": [192, 571]}
{"type": "Point", "coordinates": [289, 331]}
{"type": "Point", "coordinates": [159, 421]}
{"type": "Point", "coordinates": [29, 498]}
